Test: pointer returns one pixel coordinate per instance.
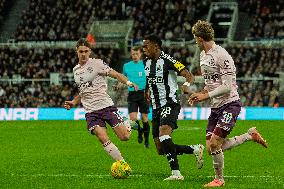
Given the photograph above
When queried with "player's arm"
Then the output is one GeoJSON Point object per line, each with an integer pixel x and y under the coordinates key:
{"type": "Point", "coordinates": [114, 74]}
{"type": "Point", "coordinates": [189, 80]}
{"type": "Point", "coordinates": [147, 91]}
{"type": "Point", "coordinates": [227, 73]}
{"type": "Point", "coordinates": [69, 104]}
{"type": "Point", "coordinates": [120, 85]}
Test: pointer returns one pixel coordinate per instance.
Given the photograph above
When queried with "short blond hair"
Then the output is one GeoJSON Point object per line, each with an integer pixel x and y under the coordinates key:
{"type": "Point", "coordinates": [204, 30]}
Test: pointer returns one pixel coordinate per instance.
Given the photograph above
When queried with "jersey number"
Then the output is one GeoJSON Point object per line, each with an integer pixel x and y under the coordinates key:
{"type": "Point", "coordinates": [166, 111]}
{"type": "Point", "coordinates": [227, 117]}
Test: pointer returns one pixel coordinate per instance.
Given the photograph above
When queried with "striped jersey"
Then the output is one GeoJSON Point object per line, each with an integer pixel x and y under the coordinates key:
{"type": "Point", "coordinates": [161, 79]}
{"type": "Point", "coordinates": [217, 62]}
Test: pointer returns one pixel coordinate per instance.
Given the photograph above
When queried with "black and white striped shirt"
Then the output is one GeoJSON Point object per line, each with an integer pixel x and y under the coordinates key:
{"type": "Point", "coordinates": [161, 79]}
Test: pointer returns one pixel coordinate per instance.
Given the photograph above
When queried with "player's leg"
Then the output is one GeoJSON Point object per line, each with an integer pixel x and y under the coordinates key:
{"type": "Point", "coordinates": [168, 122]}
{"type": "Point", "coordinates": [97, 127]}
{"type": "Point", "coordinates": [155, 132]}
{"type": "Point", "coordinates": [109, 147]}
{"type": "Point", "coordinates": [144, 110]}
{"type": "Point", "coordinates": [251, 135]}
{"type": "Point", "coordinates": [227, 117]}
{"type": "Point", "coordinates": [170, 151]}
{"type": "Point", "coordinates": [146, 129]}
{"type": "Point", "coordinates": [214, 144]}
{"type": "Point", "coordinates": [121, 127]}
{"type": "Point", "coordinates": [133, 112]}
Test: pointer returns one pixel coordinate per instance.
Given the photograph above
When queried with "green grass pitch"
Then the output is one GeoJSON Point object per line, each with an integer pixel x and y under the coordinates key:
{"type": "Point", "coordinates": [62, 154]}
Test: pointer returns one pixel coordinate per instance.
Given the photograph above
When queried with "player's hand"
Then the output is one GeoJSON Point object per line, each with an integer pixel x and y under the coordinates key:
{"type": "Point", "coordinates": [69, 104]}
{"type": "Point", "coordinates": [130, 84]}
{"type": "Point", "coordinates": [136, 88]}
{"type": "Point", "coordinates": [185, 89]}
{"type": "Point", "coordinates": [197, 97]}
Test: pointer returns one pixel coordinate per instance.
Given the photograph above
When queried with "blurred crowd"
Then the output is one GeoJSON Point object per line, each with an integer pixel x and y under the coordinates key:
{"type": "Point", "coordinates": [70, 19]}
{"type": "Point", "coordinates": [3, 4]}
{"type": "Point", "coordinates": [254, 63]}
{"type": "Point", "coordinates": [38, 63]}
{"type": "Point", "coordinates": [171, 20]}
{"type": "Point", "coordinates": [267, 19]}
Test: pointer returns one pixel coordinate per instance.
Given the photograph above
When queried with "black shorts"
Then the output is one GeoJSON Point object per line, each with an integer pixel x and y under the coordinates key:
{"type": "Point", "coordinates": [166, 115]}
{"type": "Point", "coordinates": [136, 99]}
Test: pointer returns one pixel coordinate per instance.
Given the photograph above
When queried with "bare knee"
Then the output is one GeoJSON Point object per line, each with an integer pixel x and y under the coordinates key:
{"type": "Point", "coordinates": [213, 145]}
{"type": "Point", "coordinates": [124, 137]}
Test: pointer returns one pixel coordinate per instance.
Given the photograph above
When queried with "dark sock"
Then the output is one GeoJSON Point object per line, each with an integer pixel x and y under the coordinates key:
{"type": "Point", "coordinates": [146, 130]}
{"type": "Point", "coordinates": [140, 131]}
{"type": "Point", "coordinates": [183, 149]}
{"type": "Point", "coordinates": [170, 151]}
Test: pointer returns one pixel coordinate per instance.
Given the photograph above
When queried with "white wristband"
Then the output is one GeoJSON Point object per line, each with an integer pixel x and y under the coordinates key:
{"type": "Point", "coordinates": [186, 84]}
{"type": "Point", "coordinates": [129, 83]}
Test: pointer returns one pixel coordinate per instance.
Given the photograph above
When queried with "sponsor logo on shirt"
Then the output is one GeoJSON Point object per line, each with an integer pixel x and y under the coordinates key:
{"type": "Point", "coordinates": [211, 77]}
{"type": "Point", "coordinates": [84, 85]}
{"type": "Point", "coordinates": [154, 80]}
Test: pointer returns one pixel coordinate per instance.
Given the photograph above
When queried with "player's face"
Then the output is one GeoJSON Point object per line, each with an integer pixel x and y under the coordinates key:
{"type": "Point", "coordinates": [150, 48]}
{"type": "Point", "coordinates": [136, 55]}
{"type": "Point", "coordinates": [199, 41]}
{"type": "Point", "coordinates": [83, 53]}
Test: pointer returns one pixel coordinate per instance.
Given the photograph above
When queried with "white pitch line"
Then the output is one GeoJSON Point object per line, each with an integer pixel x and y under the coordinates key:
{"type": "Point", "coordinates": [188, 128]}
{"type": "Point", "coordinates": [66, 175]}
{"type": "Point", "coordinates": [106, 175]}
{"type": "Point", "coordinates": [248, 176]}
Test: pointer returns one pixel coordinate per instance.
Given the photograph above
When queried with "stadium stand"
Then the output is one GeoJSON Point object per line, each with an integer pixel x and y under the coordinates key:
{"type": "Point", "coordinates": [267, 19]}
{"type": "Point", "coordinates": [58, 20]}
{"type": "Point", "coordinates": [172, 20]}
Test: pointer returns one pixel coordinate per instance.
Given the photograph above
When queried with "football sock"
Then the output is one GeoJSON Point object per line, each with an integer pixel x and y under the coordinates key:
{"type": "Point", "coordinates": [170, 151]}
{"type": "Point", "coordinates": [140, 132]}
{"type": "Point", "coordinates": [183, 149]}
{"type": "Point", "coordinates": [235, 141]}
{"type": "Point", "coordinates": [146, 130]}
{"type": "Point", "coordinates": [176, 172]}
{"type": "Point", "coordinates": [139, 128]}
{"type": "Point", "coordinates": [112, 150]}
{"type": "Point", "coordinates": [218, 163]}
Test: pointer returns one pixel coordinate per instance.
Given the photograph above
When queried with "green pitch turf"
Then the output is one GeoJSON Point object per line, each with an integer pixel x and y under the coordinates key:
{"type": "Point", "coordinates": [62, 154]}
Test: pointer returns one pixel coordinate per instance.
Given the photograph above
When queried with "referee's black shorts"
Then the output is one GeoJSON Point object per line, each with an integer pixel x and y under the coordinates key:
{"type": "Point", "coordinates": [136, 99]}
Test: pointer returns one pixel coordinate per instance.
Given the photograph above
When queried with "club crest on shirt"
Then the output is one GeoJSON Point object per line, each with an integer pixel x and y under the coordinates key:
{"type": "Point", "coordinates": [226, 64]}
{"type": "Point", "coordinates": [211, 62]}
{"type": "Point", "coordinates": [90, 69]}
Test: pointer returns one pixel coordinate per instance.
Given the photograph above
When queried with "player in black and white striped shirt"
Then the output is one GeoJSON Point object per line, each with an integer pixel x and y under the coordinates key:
{"type": "Point", "coordinates": [161, 86]}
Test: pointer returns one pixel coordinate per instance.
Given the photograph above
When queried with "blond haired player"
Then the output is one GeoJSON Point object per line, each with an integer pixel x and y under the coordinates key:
{"type": "Point", "coordinates": [219, 72]}
{"type": "Point", "coordinates": [90, 77]}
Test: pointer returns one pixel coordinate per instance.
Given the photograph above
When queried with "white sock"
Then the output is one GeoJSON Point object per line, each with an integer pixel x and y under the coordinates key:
{"type": "Point", "coordinates": [112, 150]}
{"type": "Point", "coordinates": [235, 141]}
{"type": "Point", "coordinates": [176, 172]}
{"type": "Point", "coordinates": [218, 164]}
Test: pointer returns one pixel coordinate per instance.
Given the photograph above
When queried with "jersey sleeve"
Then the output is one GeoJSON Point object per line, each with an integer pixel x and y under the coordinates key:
{"type": "Point", "coordinates": [102, 68]}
